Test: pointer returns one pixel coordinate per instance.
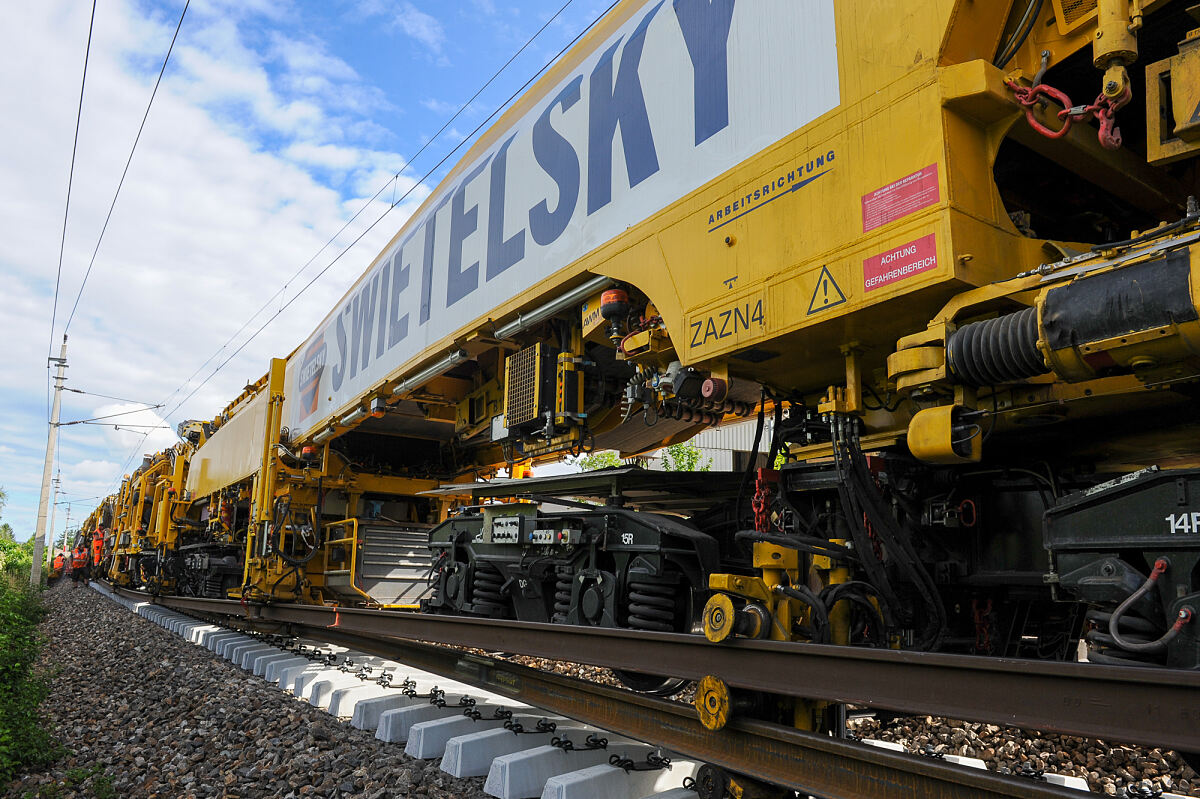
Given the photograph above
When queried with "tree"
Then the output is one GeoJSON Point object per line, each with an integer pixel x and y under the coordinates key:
{"type": "Point", "coordinates": [604, 459]}
{"type": "Point", "coordinates": [6, 531]}
{"type": "Point", "coordinates": [684, 457]}
{"type": "Point", "coordinates": [16, 559]}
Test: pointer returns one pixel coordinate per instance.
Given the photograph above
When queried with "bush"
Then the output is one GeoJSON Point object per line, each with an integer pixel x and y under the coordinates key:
{"type": "Point", "coordinates": [15, 559]}
{"type": "Point", "coordinates": [684, 457]}
{"type": "Point", "coordinates": [23, 741]}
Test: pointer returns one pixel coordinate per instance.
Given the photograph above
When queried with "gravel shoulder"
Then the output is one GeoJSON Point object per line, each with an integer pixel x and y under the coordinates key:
{"type": "Point", "coordinates": [1110, 769]}
{"type": "Point", "coordinates": [144, 714]}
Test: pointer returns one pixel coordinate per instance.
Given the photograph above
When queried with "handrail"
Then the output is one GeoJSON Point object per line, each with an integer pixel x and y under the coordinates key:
{"type": "Point", "coordinates": [352, 541]}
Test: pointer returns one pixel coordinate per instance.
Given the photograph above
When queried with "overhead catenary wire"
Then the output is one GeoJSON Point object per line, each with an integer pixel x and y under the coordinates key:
{"type": "Point", "coordinates": [81, 499]}
{"type": "Point", "coordinates": [392, 182]}
{"type": "Point", "coordinates": [108, 396]}
{"type": "Point", "coordinates": [108, 416]}
{"type": "Point", "coordinates": [62, 244]}
{"type": "Point", "coordinates": [127, 426]}
{"type": "Point", "coordinates": [128, 161]}
{"type": "Point", "coordinates": [392, 205]}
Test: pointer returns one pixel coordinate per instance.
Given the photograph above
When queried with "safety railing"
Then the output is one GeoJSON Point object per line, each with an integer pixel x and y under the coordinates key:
{"type": "Point", "coordinates": [349, 540]}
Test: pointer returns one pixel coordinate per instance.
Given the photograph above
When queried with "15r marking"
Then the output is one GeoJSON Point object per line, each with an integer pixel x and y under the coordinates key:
{"type": "Point", "coordinates": [1185, 523]}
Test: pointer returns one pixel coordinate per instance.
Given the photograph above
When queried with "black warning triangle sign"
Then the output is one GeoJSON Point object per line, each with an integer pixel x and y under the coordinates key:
{"type": "Point", "coordinates": [826, 294]}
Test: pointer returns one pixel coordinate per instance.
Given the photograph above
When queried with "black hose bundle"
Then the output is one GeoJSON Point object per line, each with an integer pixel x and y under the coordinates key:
{"type": "Point", "coordinates": [752, 458]}
{"type": "Point", "coordinates": [873, 628]}
{"type": "Point", "coordinates": [819, 633]}
{"type": "Point", "coordinates": [278, 521]}
{"type": "Point", "coordinates": [863, 501]}
{"type": "Point", "coordinates": [813, 546]}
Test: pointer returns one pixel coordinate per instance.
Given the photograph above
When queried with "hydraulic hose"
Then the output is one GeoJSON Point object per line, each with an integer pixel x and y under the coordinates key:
{"type": "Point", "coordinates": [1024, 27]}
{"type": "Point", "coordinates": [820, 614]}
{"type": "Point", "coordinates": [276, 536]}
{"type": "Point", "coordinates": [1184, 616]}
{"type": "Point", "coordinates": [813, 546]}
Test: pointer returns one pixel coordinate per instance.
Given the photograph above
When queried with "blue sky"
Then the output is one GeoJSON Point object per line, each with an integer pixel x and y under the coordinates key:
{"type": "Point", "coordinates": [276, 121]}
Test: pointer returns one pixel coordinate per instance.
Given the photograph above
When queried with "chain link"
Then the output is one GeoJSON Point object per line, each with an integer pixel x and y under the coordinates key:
{"type": "Point", "coordinates": [1103, 109]}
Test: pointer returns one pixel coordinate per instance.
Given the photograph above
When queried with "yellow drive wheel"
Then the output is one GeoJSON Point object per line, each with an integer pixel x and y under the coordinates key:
{"type": "Point", "coordinates": [713, 702]}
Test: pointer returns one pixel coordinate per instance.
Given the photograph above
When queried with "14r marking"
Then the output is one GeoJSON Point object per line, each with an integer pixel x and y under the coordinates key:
{"type": "Point", "coordinates": [1184, 523]}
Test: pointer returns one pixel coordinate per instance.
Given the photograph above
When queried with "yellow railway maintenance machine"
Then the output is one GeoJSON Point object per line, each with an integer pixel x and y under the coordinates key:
{"type": "Point", "coordinates": [264, 521]}
{"type": "Point", "coordinates": [969, 303]}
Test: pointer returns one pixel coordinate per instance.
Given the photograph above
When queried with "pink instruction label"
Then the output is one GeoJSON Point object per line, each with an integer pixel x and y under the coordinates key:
{"type": "Point", "coordinates": [900, 262]}
{"type": "Point", "coordinates": [901, 198]}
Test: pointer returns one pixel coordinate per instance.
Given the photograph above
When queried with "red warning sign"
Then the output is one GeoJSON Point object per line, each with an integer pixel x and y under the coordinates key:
{"type": "Point", "coordinates": [901, 198]}
{"type": "Point", "coordinates": [900, 262]}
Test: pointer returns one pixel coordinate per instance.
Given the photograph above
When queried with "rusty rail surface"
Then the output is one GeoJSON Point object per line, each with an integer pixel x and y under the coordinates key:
{"type": "Point", "coordinates": [1153, 707]}
{"type": "Point", "coordinates": [812, 764]}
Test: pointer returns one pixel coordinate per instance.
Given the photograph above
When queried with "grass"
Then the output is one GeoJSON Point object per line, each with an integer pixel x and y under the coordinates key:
{"type": "Point", "coordinates": [101, 786]}
{"type": "Point", "coordinates": [24, 743]}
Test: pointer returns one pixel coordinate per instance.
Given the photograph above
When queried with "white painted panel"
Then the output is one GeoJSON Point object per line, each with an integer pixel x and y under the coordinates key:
{"type": "Point", "coordinates": [690, 89]}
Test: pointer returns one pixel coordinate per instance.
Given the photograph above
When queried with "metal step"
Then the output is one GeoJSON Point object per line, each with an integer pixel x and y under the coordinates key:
{"type": "Point", "coordinates": [394, 562]}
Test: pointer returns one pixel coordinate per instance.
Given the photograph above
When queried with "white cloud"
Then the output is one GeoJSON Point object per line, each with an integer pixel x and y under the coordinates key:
{"type": "Point", "coordinates": [423, 28]}
{"type": "Point", "coordinates": [100, 470]}
{"type": "Point", "coordinates": [440, 107]}
{"type": "Point", "coordinates": [324, 155]}
{"type": "Point", "coordinates": [228, 195]}
{"type": "Point", "coordinates": [309, 57]}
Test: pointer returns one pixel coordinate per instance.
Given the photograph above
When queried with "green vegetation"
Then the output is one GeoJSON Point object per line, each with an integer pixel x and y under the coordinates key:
{"type": "Point", "coordinates": [15, 558]}
{"type": "Point", "coordinates": [23, 742]}
{"type": "Point", "coordinates": [681, 457]}
{"type": "Point", "coordinates": [101, 785]}
{"type": "Point", "coordinates": [605, 459]}
{"type": "Point", "coordinates": [684, 457]}
{"type": "Point", "coordinates": [6, 531]}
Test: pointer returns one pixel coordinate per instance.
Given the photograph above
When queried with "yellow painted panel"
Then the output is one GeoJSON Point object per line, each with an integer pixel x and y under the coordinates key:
{"type": "Point", "coordinates": [232, 454]}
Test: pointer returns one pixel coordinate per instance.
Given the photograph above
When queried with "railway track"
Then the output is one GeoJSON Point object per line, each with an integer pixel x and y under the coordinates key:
{"type": "Point", "coordinates": [811, 764]}
{"type": "Point", "coordinates": [1152, 707]}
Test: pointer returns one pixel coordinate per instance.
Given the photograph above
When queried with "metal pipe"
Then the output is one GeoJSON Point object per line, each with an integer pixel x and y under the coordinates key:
{"type": "Point", "coordinates": [522, 322]}
{"type": "Point", "coordinates": [436, 370]}
{"type": "Point", "coordinates": [353, 416]}
{"type": "Point", "coordinates": [554, 306]}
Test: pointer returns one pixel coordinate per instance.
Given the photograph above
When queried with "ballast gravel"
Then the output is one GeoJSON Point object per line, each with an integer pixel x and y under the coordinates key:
{"type": "Point", "coordinates": [144, 714]}
{"type": "Point", "coordinates": [1109, 769]}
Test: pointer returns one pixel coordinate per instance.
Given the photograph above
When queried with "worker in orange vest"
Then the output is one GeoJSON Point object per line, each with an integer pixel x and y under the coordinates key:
{"type": "Point", "coordinates": [79, 564]}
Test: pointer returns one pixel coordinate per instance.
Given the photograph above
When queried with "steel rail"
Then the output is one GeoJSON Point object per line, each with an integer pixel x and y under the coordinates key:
{"type": "Point", "coordinates": [1153, 707]}
{"type": "Point", "coordinates": [812, 764]}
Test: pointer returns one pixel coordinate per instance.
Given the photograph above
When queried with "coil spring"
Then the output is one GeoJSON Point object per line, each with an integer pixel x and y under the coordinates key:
{"type": "Point", "coordinates": [1103, 649]}
{"type": "Point", "coordinates": [651, 606]}
{"type": "Point", "coordinates": [562, 597]}
{"type": "Point", "coordinates": [486, 591]}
